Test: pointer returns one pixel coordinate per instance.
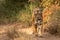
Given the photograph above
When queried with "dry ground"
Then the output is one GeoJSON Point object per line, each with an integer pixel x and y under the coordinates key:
{"type": "Point", "coordinates": [23, 36]}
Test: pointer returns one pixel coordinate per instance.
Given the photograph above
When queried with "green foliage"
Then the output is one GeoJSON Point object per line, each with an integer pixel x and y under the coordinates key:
{"type": "Point", "coordinates": [9, 10]}
{"type": "Point", "coordinates": [16, 10]}
{"type": "Point", "coordinates": [20, 10]}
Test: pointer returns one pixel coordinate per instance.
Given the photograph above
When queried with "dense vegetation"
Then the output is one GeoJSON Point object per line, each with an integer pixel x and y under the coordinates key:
{"type": "Point", "coordinates": [20, 10]}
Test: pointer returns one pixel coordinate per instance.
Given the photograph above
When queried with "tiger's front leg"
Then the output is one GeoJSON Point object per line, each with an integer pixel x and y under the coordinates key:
{"type": "Point", "coordinates": [40, 30]}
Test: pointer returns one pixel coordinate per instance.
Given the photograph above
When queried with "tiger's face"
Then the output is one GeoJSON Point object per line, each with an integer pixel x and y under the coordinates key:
{"type": "Point", "coordinates": [37, 12]}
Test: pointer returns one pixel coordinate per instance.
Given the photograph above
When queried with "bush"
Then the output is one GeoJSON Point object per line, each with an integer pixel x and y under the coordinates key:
{"type": "Point", "coordinates": [54, 23]}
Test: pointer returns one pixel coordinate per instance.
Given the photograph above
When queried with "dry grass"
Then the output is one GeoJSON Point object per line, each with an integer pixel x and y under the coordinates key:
{"type": "Point", "coordinates": [52, 17]}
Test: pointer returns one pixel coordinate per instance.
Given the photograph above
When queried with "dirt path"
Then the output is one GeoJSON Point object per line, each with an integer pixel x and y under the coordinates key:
{"type": "Point", "coordinates": [32, 37]}
{"type": "Point", "coordinates": [29, 37]}
{"type": "Point", "coordinates": [23, 36]}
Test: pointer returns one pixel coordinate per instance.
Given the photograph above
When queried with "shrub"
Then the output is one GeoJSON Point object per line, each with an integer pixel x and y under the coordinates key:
{"type": "Point", "coordinates": [54, 23]}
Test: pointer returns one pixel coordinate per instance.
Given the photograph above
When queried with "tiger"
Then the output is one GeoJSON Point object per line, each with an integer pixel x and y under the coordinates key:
{"type": "Point", "coordinates": [37, 21]}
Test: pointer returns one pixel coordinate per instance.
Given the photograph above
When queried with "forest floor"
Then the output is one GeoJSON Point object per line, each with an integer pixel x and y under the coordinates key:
{"type": "Point", "coordinates": [23, 36]}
